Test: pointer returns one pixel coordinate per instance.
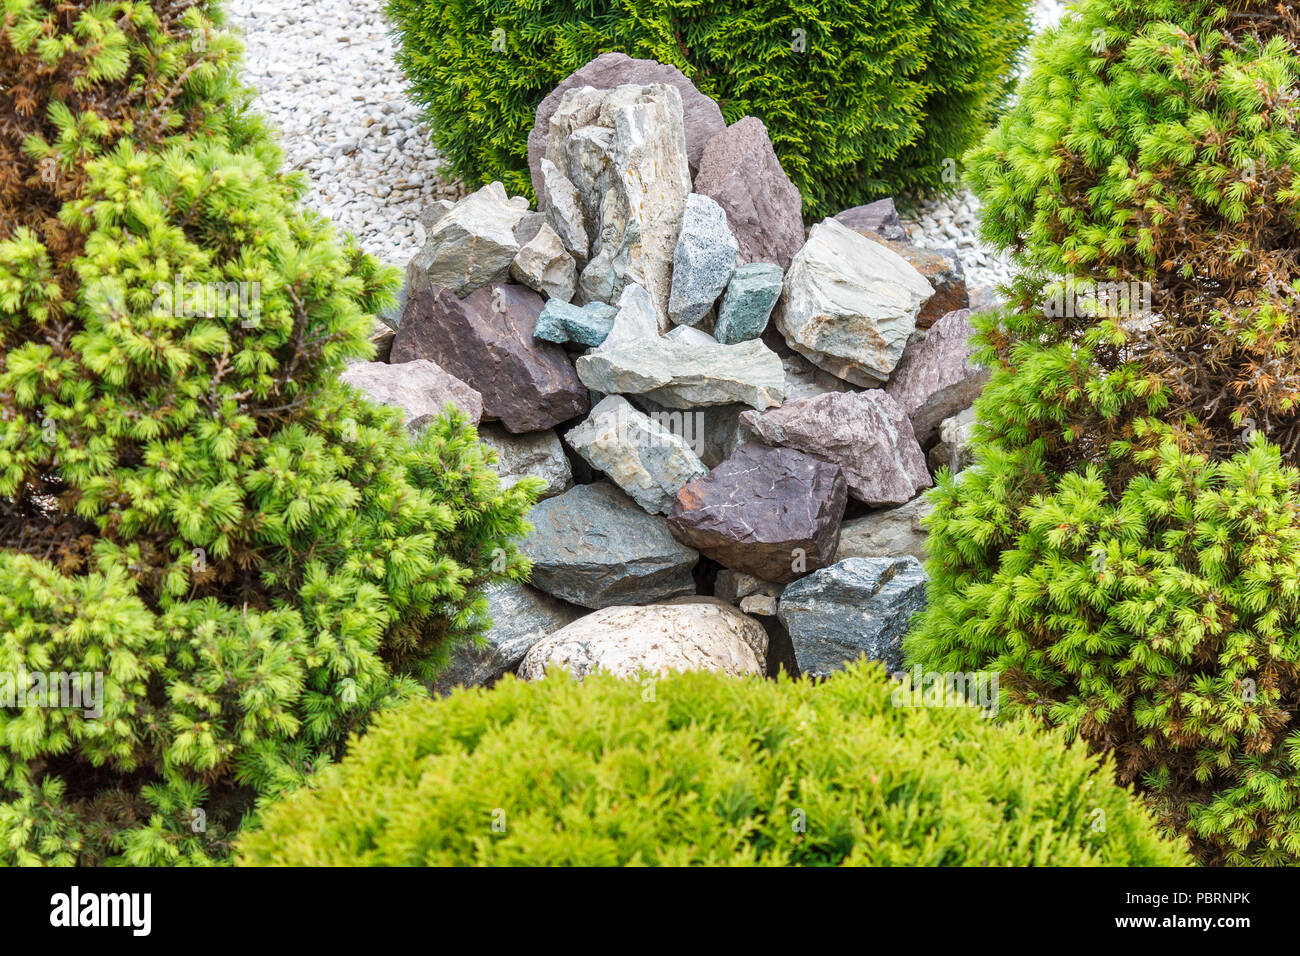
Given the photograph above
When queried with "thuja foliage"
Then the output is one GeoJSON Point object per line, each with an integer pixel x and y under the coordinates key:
{"type": "Point", "coordinates": [1127, 549]}
{"type": "Point", "coordinates": [251, 557]}
{"type": "Point", "coordinates": [707, 770]}
{"type": "Point", "coordinates": [861, 99]}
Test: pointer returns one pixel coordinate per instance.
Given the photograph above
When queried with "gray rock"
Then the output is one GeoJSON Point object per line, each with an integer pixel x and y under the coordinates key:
{"type": "Point", "coordinates": [880, 217]}
{"type": "Point", "coordinates": [521, 616]}
{"type": "Point", "coordinates": [649, 462]}
{"type": "Point", "coordinates": [434, 212]}
{"type": "Point", "coordinates": [803, 379]}
{"type": "Point", "coordinates": [701, 118]}
{"type": "Point", "coordinates": [702, 262]}
{"type": "Point", "coordinates": [659, 638]}
{"type": "Point", "coordinates": [736, 587]}
{"type": "Point", "coordinates": [539, 454]}
{"type": "Point", "coordinates": [683, 375]}
{"type": "Point", "coordinates": [689, 335]}
{"type": "Point", "coordinates": [529, 225]}
{"type": "Point", "coordinates": [751, 296]}
{"type": "Point", "coordinates": [937, 377]}
{"type": "Point", "coordinates": [471, 245]}
{"type": "Point", "coordinates": [740, 171]}
{"type": "Point", "coordinates": [564, 212]}
{"type": "Point", "coordinates": [771, 512]}
{"type": "Point", "coordinates": [759, 605]}
{"type": "Point", "coordinates": [544, 265]}
{"type": "Point", "coordinates": [588, 324]}
{"type": "Point", "coordinates": [953, 450]}
{"type": "Point", "coordinates": [624, 151]}
{"type": "Point", "coordinates": [635, 319]}
{"type": "Point", "coordinates": [856, 607]}
{"type": "Point", "coordinates": [595, 547]}
{"type": "Point", "coordinates": [486, 340]}
{"type": "Point", "coordinates": [888, 533]}
{"type": "Point", "coordinates": [850, 304]}
{"type": "Point", "coordinates": [865, 433]}
{"type": "Point", "coordinates": [420, 389]}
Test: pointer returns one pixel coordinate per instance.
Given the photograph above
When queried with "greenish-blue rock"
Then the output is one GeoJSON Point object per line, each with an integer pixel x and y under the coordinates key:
{"type": "Point", "coordinates": [584, 324]}
{"type": "Point", "coordinates": [748, 302]}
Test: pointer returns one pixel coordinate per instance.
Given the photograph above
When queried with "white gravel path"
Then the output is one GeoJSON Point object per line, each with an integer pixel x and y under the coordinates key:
{"type": "Point", "coordinates": [326, 76]}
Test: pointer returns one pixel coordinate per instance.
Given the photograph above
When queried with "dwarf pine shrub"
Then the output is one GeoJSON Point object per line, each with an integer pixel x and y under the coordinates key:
{"type": "Point", "coordinates": [222, 558]}
{"type": "Point", "coordinates": [706, 769]}
{"type": "Point", "coordinates": [860, 99]}
{"type": "Point", "coordinates": [1126, 551]}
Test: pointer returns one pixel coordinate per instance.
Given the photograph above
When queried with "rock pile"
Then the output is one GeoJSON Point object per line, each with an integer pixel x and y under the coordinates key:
{"type": "Point", "coordinates": [707, 390]}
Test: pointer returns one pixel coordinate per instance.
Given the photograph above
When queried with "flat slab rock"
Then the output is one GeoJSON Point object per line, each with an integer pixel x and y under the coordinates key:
{"type": "Point", "coordinates": [942, 268]}
{"type": "Point", "coordinates": [679, 374]}
{"type": "Point", "coordinates": [865, 433]}
{"type": "Point", "coordinates": [699, 635]}
{"type": "Point", "coordinates": [854, 608]}
{"type": "Point", "coordinates": [521, 616]}
{"type": "Point", "coordinates": [701, 117]}
{"type": "Point", "coordinates": [850, 304]}
{"type": "Point", "coordinates": [887, 533]}
{"type": "Point", "coordinates": [419, 388]}
{"type": "Point", "coordinates": [937, 377]}
{"type": "Point", "coordinates": [740, 172]}
{"type": "Point", "coordinates": [771, 512]}
{"type": "Point", "coordinates": [596, 547]}
{"type": "Point", "coordinates": [648, 461]}
{"type": "Point", "coordinates": [538, 454]}
{"type": "Point", "coordinates": [486, 340]}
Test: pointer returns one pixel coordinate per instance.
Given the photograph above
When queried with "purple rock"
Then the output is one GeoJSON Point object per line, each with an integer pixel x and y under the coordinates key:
{"type": "Point", "coordinates": [771, 512]}
{"type": "Point", "coordinates": [880, 217]}
{"type": "Point", "coordinates": [740, 172]}
{"type": "Point", "coordinates": [486, 340]}
{"type": "Point", "coordinates": [936, 377]}
{"type": "Point", "coordinates": [866, 433]}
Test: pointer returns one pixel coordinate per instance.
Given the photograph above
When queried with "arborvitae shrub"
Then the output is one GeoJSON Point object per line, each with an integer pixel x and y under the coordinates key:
{"type": "Point", "coordinates": [1127, 549]}
{"type": "Point", "coordinates": [253, 558]}
{"type": "Point", "coordinates": [706, 769]}
{"type": "Point", "coordinates": [869, 99]}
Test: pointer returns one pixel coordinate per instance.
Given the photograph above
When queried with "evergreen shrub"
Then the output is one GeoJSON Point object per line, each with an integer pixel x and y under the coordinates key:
{"type": "Point", "coordinates": [701, 768]}
{"type": "Point", "coordinates": [1126, 550]}
{"type": "Point", "coordinates": [193, 511]}
{"type": "Point", "coordinates": [861, 99]}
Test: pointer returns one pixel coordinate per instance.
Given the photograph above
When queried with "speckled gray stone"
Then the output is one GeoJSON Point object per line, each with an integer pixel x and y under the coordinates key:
{"type": "Point", "coordinates": [702, 262]}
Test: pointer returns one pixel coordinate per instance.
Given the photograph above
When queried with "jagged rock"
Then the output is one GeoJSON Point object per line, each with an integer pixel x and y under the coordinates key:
{"type": "Point", "coordinates": [529, 225]}
{"type": "Point", "coordinates": [659, 638]}
{"type": "Point", "coordinates": [702, 262]}
{"type": "Point", "coordinates": [420, 389]}
{"type": "Point", "coordinates": [880, 217]}
{"type": "Point", "coordinates": [588, 324]}
{"type": "Point", "coordinates": [941, 268]}
{"type": "Point", "coordinates": [381, 337]}
{"type": "Point", "coordinates": [734, 586]}
{"type": "Point", "coordinates": [564, 213]}
{"type": "Point", "coordinates": [543, 264]}
{"type": "Point", "coordinates": [391, 316]}
{"type": "Point", "coordinates": [689, 335]}
{"type": "Point", "coordinates": [856, 607]}
{"type": "Point", "coordinates": [770, 512]}
{"type": "Point", "coordinates": [759, 605]}
{"type": "Point", "coordinates": [635, 319]}
{"type": "Point", "coordinates": [624, 152]}
{"type": "Point", "coordinates": [937, 377]}
{"type": "Point", "coordinates": [740, 172]}
{"type": "Point", "coordinates": [521, 616]}
{"type": "Point", "coordinates": [486, 340]}
{"type": "Point", "coordinates": [803, 379]}
{"type": "Point", "coordinates": [469, 246]}
{"type": "Point", "coordinates": [713, 432]}
{"type": "Point", "coordinates": [751, 296]}
{"type": "Point", "coordinates": [953, 449]}
{"type": "Point", "coordinates": [701, 117]}
{"type": "Point", "coordinates": [888, 533]}
{"type": "Point", "coordinates": [594, 546]}
{"type": "Point", "coordinates": [684, 375]}
{"type": "Point", "coordinates": [649, 462]}
{"type": "Point", "coordinates": [850, 304]}
{"type": "Point", "coordinates": [539, 454]}
{"type": "Point", "coordinates": [865, 433]}
{"type": "Point", "coordinates": [434, 212]}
